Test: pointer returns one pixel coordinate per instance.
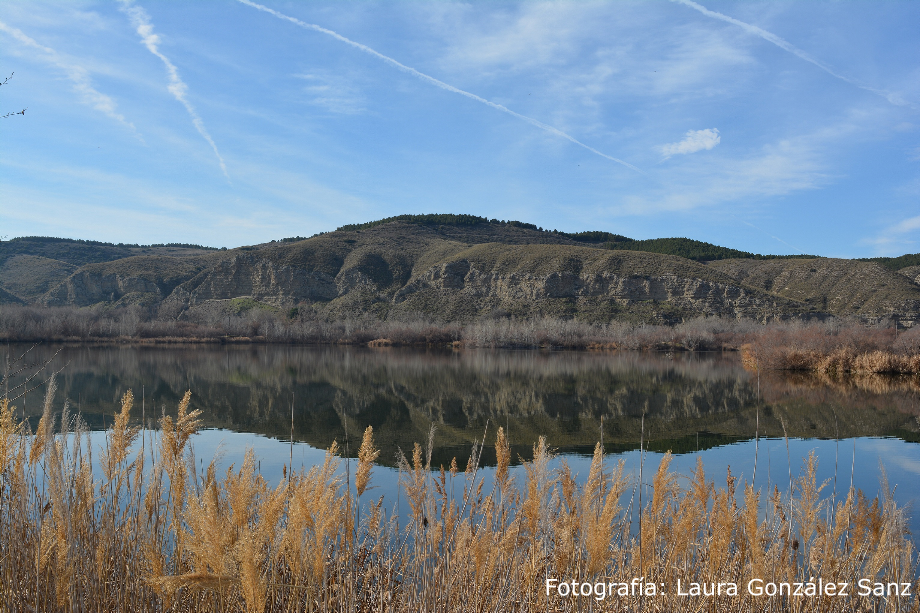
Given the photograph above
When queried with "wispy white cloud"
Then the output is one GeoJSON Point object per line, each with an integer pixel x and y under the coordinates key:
{"type": "Point", "coordinates": [559, 39]}
{"type": "Point", "coordinates": [795, 162]}
{"type": "Point", "coordinates": [578, 61]}
{"type": "Point", "coordinates": [777, 169]}
{"type": "Point", "coordinates": [86, 202]}
{"type": "Point", "coordinates": [897, 237]}
{"type": "Point", "coordinates": [58, 214]}
{"type": "Point", "coordinates": [325, 205]}
{"type": "Point", "coordinates": [691, 62]}
{"type": "Point", "coordinates": [49, 15]}
{"type": "Point", "coordinates": [695, 140]}
{"type": "Point", "coordinates": [78, 75]}
{"type": "Point", "coordinates": [435, 82]}
{"type": "Point", "coordinates": [911, 224]}
{"type": "Point", "coordinates": [333, 93]}
{"type": "Point", "coordinates": [516, 38]}
{"type": "Point", "coordinates": [177, 87]}
{"type": "Point", "coordinates": [891, 97]}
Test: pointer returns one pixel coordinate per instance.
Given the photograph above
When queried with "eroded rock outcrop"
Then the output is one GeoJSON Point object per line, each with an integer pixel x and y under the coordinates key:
{"type": "Point", "coordinates": [246, 275]}
{"type": "Point", "coordinates": [461, 281]}
{"type": "Point", "coordinates": [912, 273]}
{"type": "Point", "coordinates": [86, 288]}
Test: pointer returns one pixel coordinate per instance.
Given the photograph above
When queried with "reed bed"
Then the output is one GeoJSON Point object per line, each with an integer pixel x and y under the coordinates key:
{"type": "Point", "coordinates": [137, 528]}
{"type": "Point", "coordinates": [304, 325]}
{"type": "Point", "coordinates": [833, 349]}
{"type": "Point", "coordinates": [836, 361]}
{"type": "Point", "coordinates": [833, 346]}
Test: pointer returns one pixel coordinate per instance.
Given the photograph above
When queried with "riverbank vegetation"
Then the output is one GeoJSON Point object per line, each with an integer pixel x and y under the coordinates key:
{"type": "Point", "coordinates": [245, 320]}
{"type": "Point", "coordinates": [138, 527]}
{"type": "Point", "coordinates": [830, 347]}
{"type": "Point", "coordinates": [834, 349]}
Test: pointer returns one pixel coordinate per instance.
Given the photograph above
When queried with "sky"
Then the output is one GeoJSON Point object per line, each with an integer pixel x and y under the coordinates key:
{"type": "Point", "coordinates": [770, 127]}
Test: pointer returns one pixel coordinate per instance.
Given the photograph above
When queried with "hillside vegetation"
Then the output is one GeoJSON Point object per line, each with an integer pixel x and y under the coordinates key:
{"type": "Point", "coordinates": [456, 269]}
{"type": "Point", "coordinates": [30, 276]}
{"type": "Point", "coordinates": [898, 263]}
{"type": "Point", "coordinates": [692, 249]}
{"type": "Point", "coordinates": [79, 252]}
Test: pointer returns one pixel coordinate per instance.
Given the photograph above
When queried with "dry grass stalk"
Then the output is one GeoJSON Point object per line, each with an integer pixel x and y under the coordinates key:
{"type": "Point", "coordinates": [367, 455]}
{"type": "Point", "coordinates": [833, 350]}
{"type": "Point", "coordinates": [149, 536]}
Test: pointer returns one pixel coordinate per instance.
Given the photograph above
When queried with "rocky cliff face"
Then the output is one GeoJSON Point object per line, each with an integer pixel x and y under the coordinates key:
{"type": "Point", "coordinates": [912, 273]}
{"type": "Point", "coordinates": [30, 276]}
{"type": "Point", "coordinates": [459, 280]}
{"type": "Point", "coordinates": [832, 285]}
{"type": "Point", "coordinates": [246, 275]}
{"type": "Point", "coordinates": [138, 279]}
{"type": "Point", "coordinates": [85, 288]}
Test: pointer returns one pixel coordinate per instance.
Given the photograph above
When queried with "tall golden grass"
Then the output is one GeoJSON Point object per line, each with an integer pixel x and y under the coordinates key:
{"type": "Point", "coordinates": [836, 361]}
{"type": "Point", "coordinates": [833, 350]}
{"type": "Point", "coordinates": [139, 529]}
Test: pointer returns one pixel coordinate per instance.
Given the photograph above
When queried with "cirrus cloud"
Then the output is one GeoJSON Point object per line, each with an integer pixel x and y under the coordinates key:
{"type": "Point", "coordinates": [79, 76]}
{"type": "Point", "coordinates": [695, 140]}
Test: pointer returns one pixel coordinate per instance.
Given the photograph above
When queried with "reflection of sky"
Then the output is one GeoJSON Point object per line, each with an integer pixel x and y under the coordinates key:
{"type": "Point", "coordinates": [900, 460]}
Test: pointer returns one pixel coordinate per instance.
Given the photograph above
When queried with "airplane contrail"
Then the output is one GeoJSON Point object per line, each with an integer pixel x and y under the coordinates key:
{"type": "Point", "coordinates": [141, 22]}
{"type": "Point", "coordinates": [436, 82]}
{"type": "Point", "coordinates": [785, 45]}
{"type": "Point", "coordinates": [796, 249]}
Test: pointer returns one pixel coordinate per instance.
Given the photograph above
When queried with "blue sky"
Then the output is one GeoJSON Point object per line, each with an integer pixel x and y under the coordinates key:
{"type": "Point", "coordinates": [773, 127]}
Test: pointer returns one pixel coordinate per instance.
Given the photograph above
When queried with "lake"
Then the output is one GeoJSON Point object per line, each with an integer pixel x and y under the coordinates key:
{"type": "Point", "coordinates": [694, 405]}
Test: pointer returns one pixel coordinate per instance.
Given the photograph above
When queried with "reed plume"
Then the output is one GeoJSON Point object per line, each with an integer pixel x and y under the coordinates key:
{"type": "Point", "coordinates": [367, 455]}
{"type": "Point", "coordinates": [146, 533]}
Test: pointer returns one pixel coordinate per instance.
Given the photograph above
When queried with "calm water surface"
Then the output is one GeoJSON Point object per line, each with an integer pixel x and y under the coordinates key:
{"type": "Point", "coordinates": [693, 405]}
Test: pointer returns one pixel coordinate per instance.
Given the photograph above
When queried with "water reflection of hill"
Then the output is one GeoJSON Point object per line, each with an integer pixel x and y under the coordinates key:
{"type": "Point", "coordinates": [690, 401]}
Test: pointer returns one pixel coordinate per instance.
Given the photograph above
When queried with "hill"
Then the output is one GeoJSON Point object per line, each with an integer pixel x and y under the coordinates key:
{"type": "Point", "coordinates": [898, 263]}
{"type": "Point", "coordinates": [79, 252]}
{"type": "Point", "coordinates": [456, 268]}
{"type": "Point", "coordinates": [693, 249]}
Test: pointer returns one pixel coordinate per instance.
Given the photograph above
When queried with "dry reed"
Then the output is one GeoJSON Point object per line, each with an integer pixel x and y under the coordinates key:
{"type": "Point", "coordinates": [833, 349]}
{"type": "Point", "coordinates": [149, 533]}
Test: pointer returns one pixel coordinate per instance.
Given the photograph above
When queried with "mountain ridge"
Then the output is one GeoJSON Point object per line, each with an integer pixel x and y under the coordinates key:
{"type": "Point", "coordinates": [459, 268]}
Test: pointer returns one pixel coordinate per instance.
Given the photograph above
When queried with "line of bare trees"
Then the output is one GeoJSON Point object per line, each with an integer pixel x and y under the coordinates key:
{"type": "Point", "coordinates": [134, 323]}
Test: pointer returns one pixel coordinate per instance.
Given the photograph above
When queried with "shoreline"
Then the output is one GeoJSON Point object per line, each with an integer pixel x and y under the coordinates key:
{"type": "Point", "coordinates": [831, 348]}
{"type": "Point", "coordinates": [378, 343]}
{"type": "Point", "coordinates": [754, 355]}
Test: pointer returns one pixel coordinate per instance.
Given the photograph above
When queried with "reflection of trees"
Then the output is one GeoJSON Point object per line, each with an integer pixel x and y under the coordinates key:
{"type": "Point", "coordinates": [401, 392]}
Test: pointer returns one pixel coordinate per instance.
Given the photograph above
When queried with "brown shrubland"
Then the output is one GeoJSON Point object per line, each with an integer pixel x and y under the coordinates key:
{"type": "Point", "coordinates": [139, 529]}
{"type": "Point", "coordinates": [832, 349]}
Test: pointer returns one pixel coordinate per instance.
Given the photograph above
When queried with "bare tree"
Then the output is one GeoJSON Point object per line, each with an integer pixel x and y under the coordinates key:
{"type": "Point", "coordinates": [15, 368]}
{"type": "Point", "coordinates": [11, 113]}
